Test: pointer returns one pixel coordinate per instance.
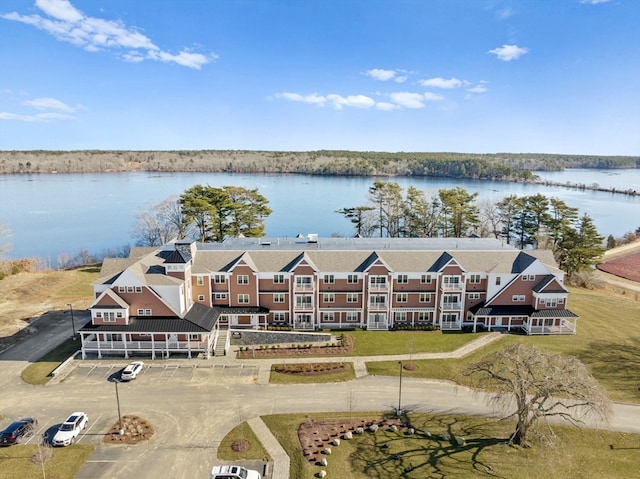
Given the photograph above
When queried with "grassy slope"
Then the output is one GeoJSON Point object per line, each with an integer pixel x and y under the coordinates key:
{"type": "Point", "coordinates": [607, 340]}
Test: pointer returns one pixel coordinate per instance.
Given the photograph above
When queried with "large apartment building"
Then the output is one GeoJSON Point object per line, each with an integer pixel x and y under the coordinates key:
{"type": "Point", "coordinates": [176, 297]}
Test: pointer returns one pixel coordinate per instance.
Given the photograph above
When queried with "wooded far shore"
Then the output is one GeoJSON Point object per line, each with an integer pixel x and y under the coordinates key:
{"type": "Point", "coordinates": [495, 166]}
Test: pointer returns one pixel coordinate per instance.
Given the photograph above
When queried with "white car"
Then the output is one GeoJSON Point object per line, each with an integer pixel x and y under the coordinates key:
{"type": "Point", "coordinates": [131, 371]}
{"type": "Point", "coordinates": [70, 429]}
{"type": "Point", "coordinates": [233, 472]}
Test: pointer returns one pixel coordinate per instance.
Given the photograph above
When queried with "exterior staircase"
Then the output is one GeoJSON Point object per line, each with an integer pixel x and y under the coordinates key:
{"type": "Point", "coordinates": [221, 349]}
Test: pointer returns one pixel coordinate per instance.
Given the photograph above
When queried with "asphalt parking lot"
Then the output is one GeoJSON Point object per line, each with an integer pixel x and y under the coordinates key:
{"type": "Point", "coordinates": [163, 372]}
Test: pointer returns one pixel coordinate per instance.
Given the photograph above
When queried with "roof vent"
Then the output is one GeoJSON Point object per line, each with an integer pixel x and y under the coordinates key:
{"type": "Point", "coordinates": [312, 238]}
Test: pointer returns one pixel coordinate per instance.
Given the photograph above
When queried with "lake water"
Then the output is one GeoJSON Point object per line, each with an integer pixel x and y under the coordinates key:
{"type": "Point", "coordinates": [52, 215]}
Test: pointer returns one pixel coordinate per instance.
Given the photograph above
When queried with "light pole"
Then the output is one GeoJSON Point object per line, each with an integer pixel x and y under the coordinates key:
{"type": "Point", "coordinates": [120, 430]}
{"type": "Point", "coordinates": [73, 324]}
{"type": "Point", "coordinates": [399, 411]}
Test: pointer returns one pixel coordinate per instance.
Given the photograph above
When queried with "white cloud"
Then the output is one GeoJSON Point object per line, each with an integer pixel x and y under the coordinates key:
{"type": "Point", "coordinates": [40, 117]}
{"type": "Point", "coordinates": [594, 2]}
{"type": "Point", "coordinates": [408, 100]}
{"type": "Point", "coordinates": [49, 104]}
{"type": "Point", "coordinates": [356, 101]}
{"type": "Point", "coordinates": [380, 74]}
{"type": "Point", "coordinates": [480, 88]}
{"type": "Point", "coordinates": [313, 99]}
{"type": "Point", "coordinates": [507, 53]}
{"type": "Point", "coordinates": [441, 83]}
{"type": "Point", "coordinates": [386, 106]}
{"type": "Point", "coordinates": [401, 79]}
{"type": "Point", "coordinates": [66, 23]}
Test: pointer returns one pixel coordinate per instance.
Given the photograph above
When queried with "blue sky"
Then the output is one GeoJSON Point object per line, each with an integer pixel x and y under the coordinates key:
{"type": "Point", "coordinates": [483, 76]}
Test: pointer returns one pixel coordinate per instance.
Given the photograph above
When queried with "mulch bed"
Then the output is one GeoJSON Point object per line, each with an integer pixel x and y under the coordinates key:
{"type": "Point", "coordinates": [135, 429]}
{"type": "Point", "coordinates": [316, 436]}
{"type": "Point", "coordinates": [344, 347]}
{"type": "Point", "coordinates": [627, 267]}
{"type": "Point", "coordinates": [312, 369]}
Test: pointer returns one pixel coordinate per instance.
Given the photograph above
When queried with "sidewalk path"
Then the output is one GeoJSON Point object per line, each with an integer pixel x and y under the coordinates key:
{"type": "Point", "coordinates": [281, 461]}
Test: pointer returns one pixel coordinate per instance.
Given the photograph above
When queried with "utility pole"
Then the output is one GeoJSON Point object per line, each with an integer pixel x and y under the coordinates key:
{"type": "Point", "coordinates": [399, 411]}
{"type": "Point", "coordinates": [73, 324]}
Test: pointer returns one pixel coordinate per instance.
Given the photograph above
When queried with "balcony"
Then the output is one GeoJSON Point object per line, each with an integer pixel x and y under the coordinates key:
{"type": "Point", "coordinates": [451, 306]}
{"type": "Point", "coordinates": [374, 306]}
{"type": "Point", "coordinates": [303, 287]}
{"type": "Point", "coordinates": [378, 287]}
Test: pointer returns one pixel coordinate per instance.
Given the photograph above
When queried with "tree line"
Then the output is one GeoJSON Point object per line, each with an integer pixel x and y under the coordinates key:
{"type": "Point", "coordinates": [496, 166]}
{"type": "Point", "coordinates": [533, 221]}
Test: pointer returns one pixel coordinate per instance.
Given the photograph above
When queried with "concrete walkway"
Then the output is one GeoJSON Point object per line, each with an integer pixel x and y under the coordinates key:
{"type": "Point", "coordinates": [281, 461]}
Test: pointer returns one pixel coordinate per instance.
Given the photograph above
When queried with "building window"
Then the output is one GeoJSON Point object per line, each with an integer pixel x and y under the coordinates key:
{"type": "Point", "coordinates": [424, 316]}
{"type": "Point", "coordinates": [528, 277]}
{"type": "Point", "coordinates": [551, 302]}
{"type": "Point", "coordinates": [122, 289]}
{"type": "Point", "coordinates": [378, 280]}
{"type": "Point", "coordinates": [304, 282]}
{"type": "Point", "coordinates": [138, 289]}
{"type": "Point", "coordinates": [119, 314]}
{"type": "Point", "coordinates": [147, 312]}
{"type": "Point", "coordinates": [278, 279]}
{"type": "Point", "coordinates": [352, 297]}
{"type": "Point", "coordinates": [474, 279]}
{"type": "Point", "coordinates": [401, 297]}
{"type": "Point", "coordinates": [141, 312]}
{"type": "Point", "coordinates": [221, 296]}
{"type": "Point", "coordinates": [109, 317]}
{"type": "Point", "coordinates": [219, 278]}
{"type": "Point", "coordinates": [450, 299]}
{"type": "Point", "coordinates": [130, 289]}
{"type": "Point", "coordinates": [329, 279]}
{"type": "Point", "coordinates": [201, 297]}
{"type": "Point", "coordinates": [352, 279]}
{"type": "Point", "coordinates": [401, 316]}
{"type": "Point", "coordinates": [328, 297]}
{"type": "Point", "coordinates": [497, 280]}
{"type": "Point", "coordinates": [449, 318]}
{"type": "Point", "coordinates": [243, 279]}
{"type": "Point", "coordinates": [279, 317]}
{"type": "Point", "coordinates": [425, 297]}
{"type": "Point", "coordinates": [327, 316]}
{"type": "Point", "coordinates": [352, 316]}
{"type": "Point", "coordinates": [403, 279]}
{"type": "Point", "coordinates": [451, 281]}
{"type": "Point", "coordinates": [425, 279]}
{"type": "Point", "coordinates": [378, 300]}
{"type": "Point", "coordinates": [243, 299]}
{"type": "Point", "coordinates": [194, 337]}
{"type": "Point", "coordinates": [474, 295]}
{"type": "Point", "coordinates": [518, 298]}
{"type": "Point", "coordinates": [200, 280]}
{"type": "Point", "coordinates": [278, 298]}
{"type": "Point", "coordinates": [304, 301]}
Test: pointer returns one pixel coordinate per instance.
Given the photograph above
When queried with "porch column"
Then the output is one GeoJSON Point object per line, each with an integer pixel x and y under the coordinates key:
{"type": "Point", "coordinates": [188, 345]}
{"type": "Point", "coordinates": [509, 324]}
{"type": "Point", "coordinates": [82, 345]}
{"type": "Point", "coordinates": [124, 342]}
{"type": "Point", "coordinates": [153, 346]}
{"type": "Point", "coordinates": [166, 345]}
{"type": "Point", "coordinates": [99, 352]}
{"type": "Point", "coordinates": [475, 323]}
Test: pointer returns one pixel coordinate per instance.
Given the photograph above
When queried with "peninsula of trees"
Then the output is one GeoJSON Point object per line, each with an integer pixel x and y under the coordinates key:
{"type": "Point", "coordinates": [495, 166]}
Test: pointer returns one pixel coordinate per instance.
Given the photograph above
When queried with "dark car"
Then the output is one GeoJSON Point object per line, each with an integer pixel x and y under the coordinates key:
{"type": "Point", "coordinates": [17, 430]}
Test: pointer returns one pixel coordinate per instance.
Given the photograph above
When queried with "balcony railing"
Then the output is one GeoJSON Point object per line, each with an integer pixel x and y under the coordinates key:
{"type": "Point", "coordinates": [451, 306]}
{"type": "Point", "coordinates": [378, 306]}
{"type": "Point", "coordinates": [304, 325]}
{"type": "Point", "coordinates": [303, 287]}
{"type": "Point", "coordinates": [378, 287]}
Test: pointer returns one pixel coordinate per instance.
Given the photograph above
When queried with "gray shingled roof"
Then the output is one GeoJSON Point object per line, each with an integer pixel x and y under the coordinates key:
{"type": "Point", "coordinates": [554, 313]}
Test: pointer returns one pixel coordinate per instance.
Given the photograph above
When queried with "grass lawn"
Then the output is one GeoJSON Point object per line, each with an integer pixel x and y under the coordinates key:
{"type": "Point", "coordinates": [379, 343]}
{"type": "Point", "coordinates": [39, 372]}
{"type": "Point", "coordinates": [82, 284]}
{"type": "Point", "coordinates": [324, 377]}
{"type": "Point", "coordinates": [573, 452]}
{"type": "Point", "coordinates": [242, 432]}
{"type": "Point", "coordinates": [21, 461]}
{"type": "Point", "coordinates": [607, 340]}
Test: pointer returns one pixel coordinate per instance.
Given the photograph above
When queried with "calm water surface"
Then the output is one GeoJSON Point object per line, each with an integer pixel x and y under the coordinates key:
{"type": "Point", "coordinates": [51, 215]}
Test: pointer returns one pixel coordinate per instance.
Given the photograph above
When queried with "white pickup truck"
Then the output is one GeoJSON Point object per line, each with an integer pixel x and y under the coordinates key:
{"type": "Point", "coordinates": [233, 472]}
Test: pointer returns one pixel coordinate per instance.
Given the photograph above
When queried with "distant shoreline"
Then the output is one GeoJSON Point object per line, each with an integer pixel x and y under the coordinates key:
{"type": "Point", "coordinates": [508, 167]}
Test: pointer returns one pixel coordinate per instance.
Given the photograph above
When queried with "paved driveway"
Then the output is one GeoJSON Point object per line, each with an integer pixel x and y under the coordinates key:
{"type": "Point", "coordinates": [193, 404]}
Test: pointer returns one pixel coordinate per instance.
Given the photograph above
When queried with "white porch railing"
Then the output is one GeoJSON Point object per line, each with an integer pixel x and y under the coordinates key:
{"type": "Point", "coordinates": [451, 325]}
{"type": "Point", "coordinates": [144, 345]}
{"type": "Point", "coordinates": [377, 325]}
{"type": "Point", "coordinates": [304, 325]}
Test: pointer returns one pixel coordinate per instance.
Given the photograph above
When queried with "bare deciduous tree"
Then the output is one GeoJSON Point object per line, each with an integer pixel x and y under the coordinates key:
{"type": "Point", "coordinates": [531, 385]}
